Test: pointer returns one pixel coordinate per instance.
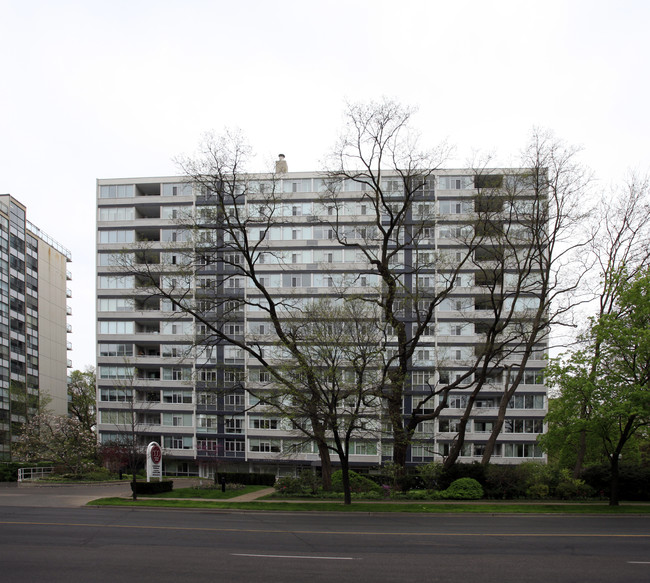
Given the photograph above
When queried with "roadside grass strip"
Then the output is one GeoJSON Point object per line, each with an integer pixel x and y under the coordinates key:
{"type": "Point", "coordinates": [432, 508]}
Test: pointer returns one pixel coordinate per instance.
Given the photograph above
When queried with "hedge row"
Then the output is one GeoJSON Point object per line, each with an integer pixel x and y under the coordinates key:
{"type": "Point", "coordinates": [247, 479]}
{"type": "Point", "coordinates": [534, 480]}
{"type": "Point", "coordinates": [152, 487]}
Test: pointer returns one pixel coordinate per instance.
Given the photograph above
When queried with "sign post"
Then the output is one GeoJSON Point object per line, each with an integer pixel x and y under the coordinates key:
{"type": "Point", "coordinates": [154, 461]}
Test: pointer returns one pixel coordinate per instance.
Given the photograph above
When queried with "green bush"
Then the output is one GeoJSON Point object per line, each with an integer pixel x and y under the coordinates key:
{"type": "Point", "coordinates": [464, 489]}
{"type": "Point", "coordinates": [358, 483]}
{"type": "Point", "coordinates": [571, 489]}
{"type": "Point", "coordinates": [537, 491]}
{"type": "Point", "coordinates": [307, 484]}
{"type": "Point", "coordinates": [634, 480]}
{"type": "Point", "coordinates": [430, 474]}
{"type": "Point", "coordinates": [9, 471]}
{"type": "Point", "coordinates": [449, 475]}
{"type": "Point", "coordinates": [418, 495]}
{"type": "Point", "coordinates": [502, 482]}
{"type": "Point", "coordinates": [288, 485]}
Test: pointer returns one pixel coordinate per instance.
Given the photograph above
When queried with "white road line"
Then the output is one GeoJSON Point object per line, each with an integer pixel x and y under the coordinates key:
{"type": "Point", "coordinates": [639, 562]}
{"type": "Point", "coordinates": [293, 557]}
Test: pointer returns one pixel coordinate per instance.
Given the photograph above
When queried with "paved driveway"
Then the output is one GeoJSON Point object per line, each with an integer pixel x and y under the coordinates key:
{"type": "Point", "coordinates": [58, 495]}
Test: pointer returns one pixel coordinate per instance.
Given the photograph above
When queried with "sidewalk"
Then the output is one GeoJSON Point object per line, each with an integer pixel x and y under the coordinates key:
{"type": "Point", "coordinates": [250, 496]}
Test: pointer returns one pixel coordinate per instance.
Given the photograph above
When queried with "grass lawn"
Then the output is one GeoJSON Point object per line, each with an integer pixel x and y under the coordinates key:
{"type": "Point", "coordinates": [207, 493]}
{"type": "Point", "coordinates": [435, 508]}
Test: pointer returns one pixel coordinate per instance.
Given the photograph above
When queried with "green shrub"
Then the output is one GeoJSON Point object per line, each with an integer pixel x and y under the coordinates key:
{"type": "Point", "coordinates": [502, 482]}
{"type": "Point", "coordinates": [430, 474]}
{"type": "Point", "coordinates": [9, 471]}
{"type": "Point", "coordinates": [571, 489]}
{"type": "Point", "coordinates": [307, 484]}
{"type": "Point", "coordinates": [464, 489]}
{"type": "Point", "coordinates": [537, 491]}
{"type": "Point", "coordinates": [358, 483]}
{"type": "Point", "coordinates": [634, 480]}
{"type": "Point", "coordinates": [449, 475]}
{"type": "Point", "coordinates": [418, 495]}
{"type": "Point", "coordinates": [288, 485]}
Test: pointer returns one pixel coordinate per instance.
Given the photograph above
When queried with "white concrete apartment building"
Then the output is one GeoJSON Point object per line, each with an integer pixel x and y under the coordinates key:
{"type": "Point", "coordinates": [198, 408]}
{"type": "Point", "coordinates": [33, 322]}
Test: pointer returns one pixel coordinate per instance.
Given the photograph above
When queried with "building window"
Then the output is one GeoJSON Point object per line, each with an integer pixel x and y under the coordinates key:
{"type": "Point", "coordinates": [116, 191]}
{"type": "Point", "coordinates": [177, 441]}
{"type": "Point", "coordinates": [169, 396]}
{"type": "Point", "coordinates": [207, 398]}
{"type": "Point", "coordinates": [235, 446]}
{"type": "Point", "coordinates": [234, 425]}
{"type": "Point", "coordinates": [263, 423]}
{"type": "Point", "coordinates": [264, 445]}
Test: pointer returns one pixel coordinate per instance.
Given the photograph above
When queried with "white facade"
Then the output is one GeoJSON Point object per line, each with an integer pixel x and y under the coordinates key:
{"type": "Point", "coordinates": [194, 406]}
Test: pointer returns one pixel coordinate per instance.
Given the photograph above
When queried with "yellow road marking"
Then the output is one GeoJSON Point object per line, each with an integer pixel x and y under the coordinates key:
{"type": "Point", "coordinates": [329, 532]}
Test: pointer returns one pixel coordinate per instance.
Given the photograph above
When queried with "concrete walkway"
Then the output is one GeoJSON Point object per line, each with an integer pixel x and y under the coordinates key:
{"type": "Point", "coordinates": [250, 496]}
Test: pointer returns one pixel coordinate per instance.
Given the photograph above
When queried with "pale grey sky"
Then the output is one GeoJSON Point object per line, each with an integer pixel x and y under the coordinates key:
{"type": "Point", "coordinates": [96, 89]}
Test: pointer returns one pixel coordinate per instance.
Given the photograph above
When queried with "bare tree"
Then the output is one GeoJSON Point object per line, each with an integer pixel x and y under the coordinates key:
{"type": "Point", "coordinates": [378, 155]}
{"type": "Point", "coordinates": [513, 239]}
{"type": "Point", "coordinates": [619, 248]}
{"type": "Point", "coordinates": [331, 394]}
{"type": "Point", "coordinates": [222, 248]}
{"type": "Point", "coordinates": [519, 242]}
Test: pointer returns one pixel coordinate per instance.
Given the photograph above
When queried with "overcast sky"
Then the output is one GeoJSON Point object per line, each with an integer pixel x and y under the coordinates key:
{"type": "Point", "coordinates": [119, 88]}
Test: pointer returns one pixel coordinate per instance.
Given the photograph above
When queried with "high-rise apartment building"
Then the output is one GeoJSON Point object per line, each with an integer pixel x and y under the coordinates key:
{"type": "Point", "coordinates": [158, 379]}
{"type": "Point", "coordinates": [33, 322]}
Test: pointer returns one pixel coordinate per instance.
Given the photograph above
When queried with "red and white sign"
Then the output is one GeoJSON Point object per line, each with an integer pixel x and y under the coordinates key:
{"type": "Point", "coordinates": [154, 461]}
{"type": "Point", "coordinates": [156, 453]}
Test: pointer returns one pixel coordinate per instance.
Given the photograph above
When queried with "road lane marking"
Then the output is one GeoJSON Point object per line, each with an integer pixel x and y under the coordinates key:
{"type": "Point", "coordinates": [326, 532]}
{"type": "Point", "coordinates": [639, 562]}
{"type": "Point", "coordinates": [293, 557]}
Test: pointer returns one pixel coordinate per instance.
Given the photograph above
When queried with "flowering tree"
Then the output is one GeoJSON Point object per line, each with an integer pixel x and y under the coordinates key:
{"type": "Point", "coordinates": [59, 439]}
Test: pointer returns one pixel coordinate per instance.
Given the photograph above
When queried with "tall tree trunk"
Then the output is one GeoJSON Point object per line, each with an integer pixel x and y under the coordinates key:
{"type": "Point", "coordinates": [457, 446]}
{"type": "Point", "coordinates": [134, 484]}
{"type": "Point", "coordinates": [401, 438]}
{"type": "Point", "coordinates": [501, 416]}
{"type": "Point", "coordinates": [325, 465]}
{"type": "Point", "coordinates": [614, 480]}
{"type": "Point", "coordinates": [580, 454]}
{"type": "Point", "coordinates": [323, 451]}
{"type": "Point", "coordinates": [498, 424]}
{"type": "Point", "coordinates": [345, 478]}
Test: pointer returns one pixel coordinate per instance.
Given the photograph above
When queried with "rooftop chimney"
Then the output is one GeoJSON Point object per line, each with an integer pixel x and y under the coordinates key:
{"type": "Point", "coordinates": [281, 165]}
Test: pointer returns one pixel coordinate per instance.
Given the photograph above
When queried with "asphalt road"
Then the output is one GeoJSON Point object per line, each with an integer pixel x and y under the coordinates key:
{"type": "Point", "coordinates": [128, 545]}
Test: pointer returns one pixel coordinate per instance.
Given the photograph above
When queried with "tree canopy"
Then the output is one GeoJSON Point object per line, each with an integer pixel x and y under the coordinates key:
{"type": "Point", "coordinates": [605, 386]}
